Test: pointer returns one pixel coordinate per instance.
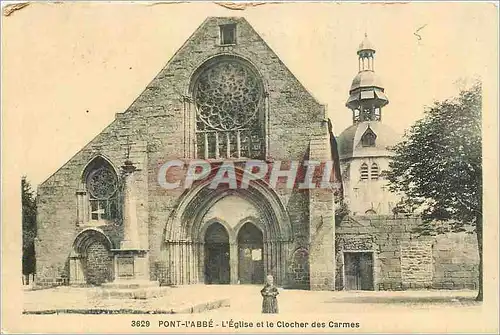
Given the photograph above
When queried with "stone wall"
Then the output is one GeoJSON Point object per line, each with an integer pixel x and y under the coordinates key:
{"type": "Point", "coordinates": [98, 265]}
{"type": "Point", "coordinates": [298, 265]}
{"type": "Point", "coordinates": [298, 271]}
{"type": "Point", "coordinates": [159, 126]}
{"type": "Point", "coordinates": [321, 224]}
{"type": "Point", "coordinates": [455, 261]}
{"type": "Point", "coordinates": [416, 264]}
{"type": "Point", "coordinates": [404, 260]}
{"type": "Point", "coordinates": [57, 206]}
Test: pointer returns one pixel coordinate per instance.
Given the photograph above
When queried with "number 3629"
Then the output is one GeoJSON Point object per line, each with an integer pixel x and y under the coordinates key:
{"type": "Point", "coordinates": [140, 323]}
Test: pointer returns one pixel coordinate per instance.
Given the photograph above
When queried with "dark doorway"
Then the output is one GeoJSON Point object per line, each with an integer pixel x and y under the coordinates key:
{"type": "Point", "coordinates": [217, 255]}
{"type": "Point", "coordinates": [358, 270]}
{"type": "Point", "coordinates": [250, 255]}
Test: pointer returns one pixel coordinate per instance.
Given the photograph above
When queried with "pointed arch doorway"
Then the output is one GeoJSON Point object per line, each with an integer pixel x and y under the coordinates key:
{"type": "Point", "coordinates": [250, 254]}
{"type": "Point", "coordinates": [191, 249]}
{"type": "Point", "coordinates": [217, 268]}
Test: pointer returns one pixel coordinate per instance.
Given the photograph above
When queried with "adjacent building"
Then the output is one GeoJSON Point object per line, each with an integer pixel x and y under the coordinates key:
{"type": "Point", "coordinates": [376, 248]}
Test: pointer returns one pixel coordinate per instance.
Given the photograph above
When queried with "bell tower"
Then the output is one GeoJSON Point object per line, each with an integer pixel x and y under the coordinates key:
{"type": "Point", "coordinates": [366, 96]}
{"type": "Point", "coordinates": [364, 146]}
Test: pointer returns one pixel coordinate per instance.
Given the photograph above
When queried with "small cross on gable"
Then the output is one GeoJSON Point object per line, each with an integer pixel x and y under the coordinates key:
{"type": "Point", "coordinates": [128, 147]}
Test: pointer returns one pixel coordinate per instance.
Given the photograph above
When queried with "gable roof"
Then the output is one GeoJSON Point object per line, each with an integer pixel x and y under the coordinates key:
{"type": "Point", "coordinates": [197, 48]}
{"type": "Point", "coordinates": [174, 77]}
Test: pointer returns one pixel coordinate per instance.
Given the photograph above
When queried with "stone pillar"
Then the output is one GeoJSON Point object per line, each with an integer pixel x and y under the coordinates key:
{"type": "Point", "coordinates": [322, 221]}
{"type": "Point", "coordinates": [81, 204]}
{"type": "Point", "coordinates": [233, 262]}
{"type": "Point", "coordinates": [284, 246]}
{"type": "Point", "coordinates": [196, 258]}
{"type": "Point", "coordinates": [201, 262]}
{"type": "Point", "coordinates": [130, 232]}
{"type": "Point", "coordinates": [131, 260]}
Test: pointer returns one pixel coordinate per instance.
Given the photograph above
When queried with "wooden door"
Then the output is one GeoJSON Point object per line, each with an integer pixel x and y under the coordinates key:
{"type": "Point", "coordinates": [217, 265]}
{"type": "Point", "coordinates": [366, 271]}
{"type": "Point", "coordinates": [351, 271]}
{"type": "Point", "coordinates": [358, 271]}
{"type": "Point", "coordinates": [250, 255]}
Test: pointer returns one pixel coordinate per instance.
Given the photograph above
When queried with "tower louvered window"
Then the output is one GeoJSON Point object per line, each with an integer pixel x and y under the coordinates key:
{"type": "Point", "coordinates": [374, 171]}
{"type": "Point", "coordinates": [364, 171]}
{"type": "Point", "coordinates": [229, 99]}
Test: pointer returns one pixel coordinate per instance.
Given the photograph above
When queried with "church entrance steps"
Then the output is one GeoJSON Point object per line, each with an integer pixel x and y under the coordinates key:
{"type": "Point", "coordinates": [131, 289]}
{"type": "Point", "coordinates": [130, 284]}
{"type": "Point", "coordinates": [133, 293]}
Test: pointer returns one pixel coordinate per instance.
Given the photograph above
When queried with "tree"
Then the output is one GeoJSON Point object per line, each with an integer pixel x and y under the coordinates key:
{"type": "Point", "coordinates": [438, 169]}
{"type": "Point", "coordinates": [29, 228]}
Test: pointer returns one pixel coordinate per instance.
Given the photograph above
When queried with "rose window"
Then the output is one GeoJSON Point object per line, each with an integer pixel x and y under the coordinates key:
{"type": "Point", "coordinates": [102, 186]}
{"type": "Point", "coordinates": [229, 102]}
{"type": "Point", "coordinates": [102, 183]}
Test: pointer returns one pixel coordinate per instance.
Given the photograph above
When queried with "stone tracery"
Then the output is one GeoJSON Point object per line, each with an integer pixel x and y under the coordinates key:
{"type": "Point", "coordinates": [102, 183]}
{"type": "Point", "coordinates": [229, 99]}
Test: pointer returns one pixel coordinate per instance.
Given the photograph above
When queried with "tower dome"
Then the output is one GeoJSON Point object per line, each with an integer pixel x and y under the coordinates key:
{"type": "Point", "coordinates": [353, 144]}
{"type": "Point", "coordinates": [366, 45]}
{"type": "Point", "coordinates": [366, 79]}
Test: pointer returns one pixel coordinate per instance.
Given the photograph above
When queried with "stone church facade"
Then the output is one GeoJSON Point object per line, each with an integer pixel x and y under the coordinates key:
{"type": "Point", "coordinates": [226, 96]}
{"type": "Point", "coordinates": [223, 96]}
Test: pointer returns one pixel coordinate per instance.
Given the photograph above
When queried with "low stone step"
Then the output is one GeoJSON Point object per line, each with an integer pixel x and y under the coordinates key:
{"type": "Point", "coordinates": [132, 284]}
{"type": "Point", "coordinates": [132, 293]}
{"type": "Point", "coordinates": [189, 308]}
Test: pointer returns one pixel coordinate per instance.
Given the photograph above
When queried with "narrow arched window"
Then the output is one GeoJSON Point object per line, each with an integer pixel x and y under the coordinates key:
{"type": "Point", "coordinates": [374, 171]}
{"type": "Point", "coordinates": [229, 98]}
{"type": "Point", "coordinates": [364, 171]}
{"type": "Point", "coordinates": [99, 197]}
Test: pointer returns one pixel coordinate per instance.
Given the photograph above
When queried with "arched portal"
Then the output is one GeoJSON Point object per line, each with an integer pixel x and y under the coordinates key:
{"type": "Point", "coordinates": [217, 268]}
{"type": "Point", "coordinates": [250, 255]}
{"type": "Point", "coordinates": [185, 231]}
{"type": "Point", "coordinates": [91, 262]}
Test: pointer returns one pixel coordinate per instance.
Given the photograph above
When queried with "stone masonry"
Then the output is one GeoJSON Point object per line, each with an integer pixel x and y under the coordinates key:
{"type": "Point", "coordinates": [98, 264]}
{"type": "Point", "coordinates": [159, 126]}
{"type": "Point", "coordinates": [404, 260]}
{"type": "Point", "coordinates": [302, 246]}
{"type": "Point", "coordinates": [416, 263]}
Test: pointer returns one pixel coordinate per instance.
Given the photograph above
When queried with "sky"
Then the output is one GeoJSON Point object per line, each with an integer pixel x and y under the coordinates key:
{"type": "Point", "coordinates": [68, 68]}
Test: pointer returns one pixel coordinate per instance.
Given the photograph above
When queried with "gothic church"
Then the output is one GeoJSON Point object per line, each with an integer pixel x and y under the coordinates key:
{"type": "Point", "coordinates": [226, 96]}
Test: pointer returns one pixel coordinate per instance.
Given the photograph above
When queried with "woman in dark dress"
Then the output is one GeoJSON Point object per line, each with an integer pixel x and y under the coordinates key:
{"type": "Point", "coordinates": [269, 293]}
